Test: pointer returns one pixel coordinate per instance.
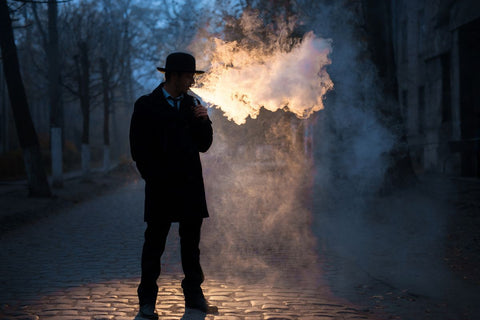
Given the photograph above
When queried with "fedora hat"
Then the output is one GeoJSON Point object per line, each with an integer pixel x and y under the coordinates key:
{"type": "Point", "coordinates": [180, 61]}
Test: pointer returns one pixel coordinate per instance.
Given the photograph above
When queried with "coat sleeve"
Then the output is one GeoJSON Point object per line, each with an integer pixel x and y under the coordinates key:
{"type": "Point", "coordinates": [142, 141]}
{"type": "Point", "coordinates": [202, 134]}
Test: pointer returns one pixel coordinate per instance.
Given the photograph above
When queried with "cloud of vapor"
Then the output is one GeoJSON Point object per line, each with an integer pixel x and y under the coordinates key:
{"type": "Point", "coordinates": [258, 176]}
{"type": "Point", "coordinates": [257, 194]}
{"type": "Point", "coordinates": [272, 204]}
{"type": "Point", "coordinates": [278, 73]}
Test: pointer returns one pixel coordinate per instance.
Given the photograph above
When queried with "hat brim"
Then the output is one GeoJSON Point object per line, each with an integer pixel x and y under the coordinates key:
{"type": "Point", "coordinates": [163, 70]}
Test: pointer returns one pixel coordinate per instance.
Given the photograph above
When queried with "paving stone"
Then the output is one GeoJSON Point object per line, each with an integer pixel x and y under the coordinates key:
{"type": "Point", "coordinates": [219, 298]}
{"type": "Point", "coordinates": [258, 303]}
{"type": "Point", "coordinates": [69, 313]}
{"type": "Point", "coordinates": [237, 305]}
{"type": "Point", "coordinates": [252, 310]}
{"type": "Point", "coordinates": [48, 313]}
{"type": "Point", "coordinates": [68, 318]}
{"type": "Point", "coordinates": [274, 306]}
{"type": "Point", "coordinates": [241, 299]}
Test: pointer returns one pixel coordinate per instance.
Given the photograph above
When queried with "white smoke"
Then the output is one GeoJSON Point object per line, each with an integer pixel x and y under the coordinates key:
{"type": "Point", "coordinates": [257, 174]}
{"type": "Point", "coordinates": [279, 74]}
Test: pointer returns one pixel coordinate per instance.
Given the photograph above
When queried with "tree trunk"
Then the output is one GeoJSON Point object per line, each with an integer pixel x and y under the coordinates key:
{"type": "Point", "coordinates": [37, 178]}
{"type": "Point", "coordinates": [379, 35]}
{"type": "Point", "coordinates": [4, 137]}
{"type": "Point", "coordinates": [106, 114]}
{"type": "Point", "coordinates": [84, 86]}
{"type": "Point", "coordinates": [56, 110]}
{"type": "Point", "coordinates": [128, 57]}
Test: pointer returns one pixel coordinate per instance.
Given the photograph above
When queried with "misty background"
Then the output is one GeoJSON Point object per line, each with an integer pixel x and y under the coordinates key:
{"type": "Point", "coordinates": [344, 181]}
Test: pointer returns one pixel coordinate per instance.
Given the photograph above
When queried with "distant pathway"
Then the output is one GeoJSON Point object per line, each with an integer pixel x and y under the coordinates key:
{"type": "Point", "coordinates": [84, 264]}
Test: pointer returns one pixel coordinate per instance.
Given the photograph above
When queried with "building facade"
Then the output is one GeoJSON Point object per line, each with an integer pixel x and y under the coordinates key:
{"type": "Point", "coordinates": [437, 53]}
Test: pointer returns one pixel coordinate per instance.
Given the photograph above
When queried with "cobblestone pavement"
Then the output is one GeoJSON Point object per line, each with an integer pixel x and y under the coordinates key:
{"type": "Point", "coordinates": [84, 264]}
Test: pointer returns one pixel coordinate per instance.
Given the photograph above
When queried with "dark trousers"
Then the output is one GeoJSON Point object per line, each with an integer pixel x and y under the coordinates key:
{"type": "Point", "coordinates": [153, 247]}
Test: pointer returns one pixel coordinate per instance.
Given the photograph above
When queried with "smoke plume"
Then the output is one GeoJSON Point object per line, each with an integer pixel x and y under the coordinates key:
{"type": "Point", "coordinates": [278, 73]}
{"type": "Point", "coordinates": [258, 173]}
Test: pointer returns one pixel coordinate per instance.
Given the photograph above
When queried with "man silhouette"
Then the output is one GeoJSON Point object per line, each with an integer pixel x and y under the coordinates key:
{"type": "Point", "coordinates": [168, 129]}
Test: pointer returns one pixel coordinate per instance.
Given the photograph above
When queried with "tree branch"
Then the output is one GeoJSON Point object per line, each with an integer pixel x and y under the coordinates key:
{"type": "Point", "coordinates": [40, 1]}
{"type": "Point", "coordinates": [71, 90]}
{"type": "Point", "coordinates": [39, 24]}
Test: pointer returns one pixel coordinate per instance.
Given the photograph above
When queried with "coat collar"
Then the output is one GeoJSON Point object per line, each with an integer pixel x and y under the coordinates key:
{"type": "Point", "coordinates": [159, 98]}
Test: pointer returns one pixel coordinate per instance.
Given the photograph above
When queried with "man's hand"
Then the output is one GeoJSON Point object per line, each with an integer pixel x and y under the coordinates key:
{"type": "Point", "coordinates": [200, 112]}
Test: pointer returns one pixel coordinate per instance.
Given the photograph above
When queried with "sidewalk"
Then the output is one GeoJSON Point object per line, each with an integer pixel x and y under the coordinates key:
{"type": "Point", "coordinates": [17, 208]}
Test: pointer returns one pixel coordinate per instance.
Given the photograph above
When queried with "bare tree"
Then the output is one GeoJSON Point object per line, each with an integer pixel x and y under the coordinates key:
{"type": "Point", "coordinates": [54, 94]}
{"type": "Point", "coordinates": [80, 25]}
{"type": "Point", "coordinates": [37, 179]}
{"type": "Point", "coordinates": [82, 68]}
{"type": "Point", "coordinates": [98, 51]}
{"type": "Point", "coordinates": [51, 49]}
{"type": "Point", "coordinates": [114, 64]}
{"type": "Point", "coordinates": [162, 30]}
{"type": "Point", "coordinates": [106, 113]}
{"type": "Point", "coordinates": [50, 44]}
{"type": "Point", "coordinates": [377, 30]}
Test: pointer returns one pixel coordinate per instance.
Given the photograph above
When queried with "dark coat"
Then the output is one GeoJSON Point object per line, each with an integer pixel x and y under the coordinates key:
{"type": "Point", "coordinates": [165, 144]}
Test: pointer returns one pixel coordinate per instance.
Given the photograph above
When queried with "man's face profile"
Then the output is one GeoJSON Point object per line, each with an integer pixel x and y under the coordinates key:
{"type": "Point", "coordinates": [183, 81]}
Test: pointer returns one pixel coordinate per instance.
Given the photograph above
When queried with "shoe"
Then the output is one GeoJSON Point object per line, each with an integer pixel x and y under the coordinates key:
{"type": "Point", "coordinates": [191, 314]}
{"type": "Point", "coordinates": [143, 316]}
{"type": "Point", "coordinates": [205, 309]}
{"type": "Point", "coordinates": [194, 299]}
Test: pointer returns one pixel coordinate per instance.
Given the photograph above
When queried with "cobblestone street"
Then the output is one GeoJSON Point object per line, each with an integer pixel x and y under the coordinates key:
{"type": "Point", "coordinates": [83, 263]}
